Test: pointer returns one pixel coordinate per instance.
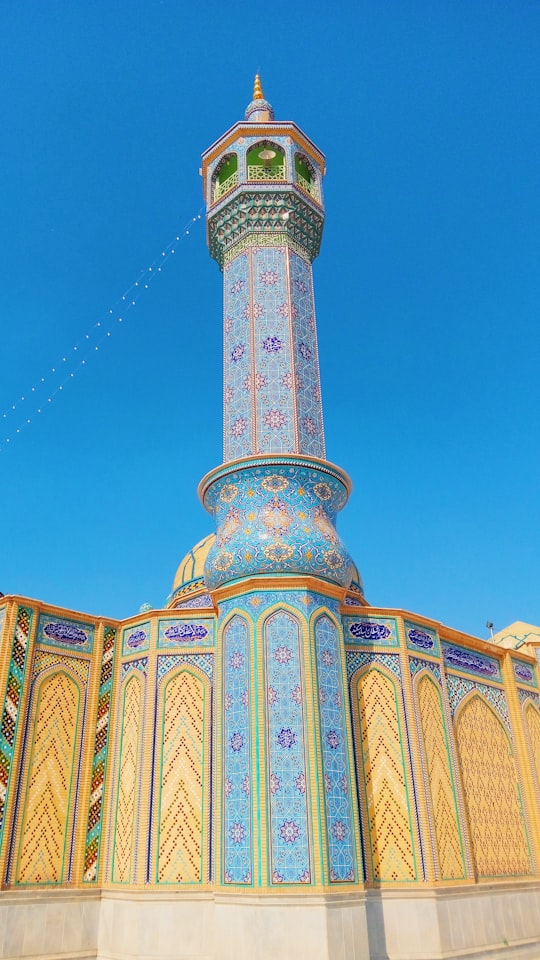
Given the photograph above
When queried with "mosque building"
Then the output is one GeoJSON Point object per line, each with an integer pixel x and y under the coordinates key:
{"type": "Point", "coordinates": [268, 767]}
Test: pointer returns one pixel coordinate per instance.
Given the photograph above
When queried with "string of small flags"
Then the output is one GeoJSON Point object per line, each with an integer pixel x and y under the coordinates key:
{"type": "Point", "coordinates": [51, 385]}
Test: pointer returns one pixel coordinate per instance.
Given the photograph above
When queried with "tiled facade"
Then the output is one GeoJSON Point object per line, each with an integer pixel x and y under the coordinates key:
{"type": "Point", "coordinates": [268, 738]}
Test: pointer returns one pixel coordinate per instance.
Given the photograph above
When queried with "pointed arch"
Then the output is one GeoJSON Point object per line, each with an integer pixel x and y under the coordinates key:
{"type": "Point", "coordinates": [47, 823]}
{"type": "Point", "coordinates": [225, 176]}
{"type": "Point", "coordinates": [271, 166]}
{"type": "Point", "coordinates": [491, 791]}
{"type": "Point", "coordinates": [184, 782]}
{"type": "Point", "coordinates": [383, 775]}
{"type": "Point", "coordinates": [439, 779]}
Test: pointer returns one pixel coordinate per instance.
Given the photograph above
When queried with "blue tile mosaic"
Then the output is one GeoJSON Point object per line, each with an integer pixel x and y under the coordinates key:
{"type": "Point", "coordinates": [287, 779]}
{"type": "Point", "coordinates": [276, 518]}
{"type": "Point", "coordinates": [238, 414]}
{"type": "Point", "coordinates": [140, 664]}
{"type": "Point", "coordinates": [237, 829]}
{"type": "Point", "coordinates": [416, 665]}
{"type": "Point", "coordinates": [203, 661]}
{"type": "Point", "coordinates": [337, 788]}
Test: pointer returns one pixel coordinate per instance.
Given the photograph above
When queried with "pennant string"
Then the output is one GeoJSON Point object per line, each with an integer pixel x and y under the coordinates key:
{"type": "Point", "coordinates": [34, 401]}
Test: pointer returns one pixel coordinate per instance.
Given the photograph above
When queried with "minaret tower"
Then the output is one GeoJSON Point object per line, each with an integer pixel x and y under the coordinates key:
{"type": "Point", "coordinates": [277, 569]}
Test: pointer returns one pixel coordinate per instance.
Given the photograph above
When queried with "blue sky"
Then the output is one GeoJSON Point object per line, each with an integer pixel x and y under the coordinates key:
{"type": "Point", "coordinates": [427, 288]}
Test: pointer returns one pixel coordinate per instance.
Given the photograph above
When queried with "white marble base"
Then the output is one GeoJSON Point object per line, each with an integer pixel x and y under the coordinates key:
{"type": "Point", "coordinates": [486, 922]}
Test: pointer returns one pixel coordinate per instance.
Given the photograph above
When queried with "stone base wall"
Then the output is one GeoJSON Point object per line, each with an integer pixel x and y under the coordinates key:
{"type": "Point", "coordinates": [489, 922]}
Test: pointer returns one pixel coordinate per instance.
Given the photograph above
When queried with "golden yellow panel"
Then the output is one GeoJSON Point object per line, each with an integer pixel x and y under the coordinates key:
{"type": "Point", "coordinates": [43, 853]}
{"type": "Point", "coordinates": [125, 833]}
{"type": "Point", "coordinates": [436, 761]}
{"type": "Point", "coordinates": [491, 793]}
{"type": "Point", "coordinates": [532, 717]}
{"type": "Point", "coordinates": [180, 843]}
{"type": "Point", "coordinates": [383, 774]}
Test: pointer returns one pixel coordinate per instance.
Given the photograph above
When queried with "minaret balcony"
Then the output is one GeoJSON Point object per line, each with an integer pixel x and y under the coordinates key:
{"type": "Point", "coordinates": [307, 185]}
{"type": "Point", "coordinates": [220, 189]}
{"type": "Point", "coordinates": [258, 172]}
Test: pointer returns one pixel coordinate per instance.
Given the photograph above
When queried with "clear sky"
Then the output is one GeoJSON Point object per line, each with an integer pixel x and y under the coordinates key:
{"type": "Point", "coordinates": [427, 288]}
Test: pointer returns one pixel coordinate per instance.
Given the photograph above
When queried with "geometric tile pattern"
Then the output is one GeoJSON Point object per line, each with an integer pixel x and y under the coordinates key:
{"type": "Point", "coordinates": [355, 661]}
{"type": "Point", "coordinates": [47, 815]}
{"type": "Point", "coordinates": [287, 777]}
{"type": "Point", "coordinates": [383, 774]}
{"type": "Point", "coordinates": [337, 794]}
{"type": "Point", "coordinates": [272, 401]}
{"type": "Point", "coordinates": [185, 738]}
{"type": "Point", "coordinates": [129, 665]}
{"type": "Point", "coordinates": [99, 762]}
{"type": "Point", "coordinates": [306, 359]}
{"type": "Point", "coordinates": [43, 660]}
{"type": "Point", "coordinates": [237, 833]}
{"type": "Point", "coordinates": [416, 665]}
{"type": "Point", "coordinates": [125, 834]}
{"type": "Point", "coordinates": [459, 687]}
{"type": "Point", "coordinates": [10, 713]}
{"type": "Point", "coordinates": [440, 781]}
{"type": "Point", "coordinates": [491, 793]}
{"type": "Point", "coordinates": [203, 661]}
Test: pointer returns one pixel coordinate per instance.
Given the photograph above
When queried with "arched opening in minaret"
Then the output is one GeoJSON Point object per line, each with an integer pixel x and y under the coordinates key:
{"type": "Point", "coordinates": [225, 176]}
{"type": "Point", "coordinates": [265, 161]}
{"type": "Point", "coordinates": [305, 176]}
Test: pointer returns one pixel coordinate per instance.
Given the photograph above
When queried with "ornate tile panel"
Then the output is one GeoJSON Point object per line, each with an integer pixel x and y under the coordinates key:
{"type": "Point", "coordinates": [237, 830]}
{"type": "Point", "coordinates": [67, 634]}
{"type": "Point", "coordinates": [337, 793]}
{"type": "Point", "coordinates": [182, 633]}
{"type": "Point", "coordinates": [421, 638]}
{"type": "Point", "coordinates": [366, 631]}
{"type": "Point", "coordinates": [136, 638]}
{"type": "Point", "coordinates": [43, 660]}
{"type": "Point", "coordinates": [203, 600]}
{"type": "Point", "coordinates": [287, 780]}
{"type": "Point", "coordinates": [524, 673]}
{"type": "Point", "coordinates": [469, 661]}
{"type": "Point", "coordinates": [141, 664]}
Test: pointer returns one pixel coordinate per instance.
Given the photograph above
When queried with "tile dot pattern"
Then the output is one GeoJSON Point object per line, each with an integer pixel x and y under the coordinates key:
{"type": "Point", "coordinates": [10, 713]}
{"type": "Point", "coordinates": [47, 819]}
{"type": "Point", "coordinates": [237, 833]}
{"type": "Point", "coordinates": [99, 762]}
{"type": "Point", "coordinates": [337, 799]}
{"type": "Point", "coordinates": [491, 792]}
{"type": "Point", "coordinates": [383, 773]}
{"type": "Point", "coordinates": [185, 731]}
{"type": "Point", "coordinates": [237, 409]}
{"type": "Point", "coordinates": [125, 832]}
{"type": "Point", "coordinates": [532, 720]}
{"type": "Point", "coordinates": [285, 730]}
{"type": "Point", "coordinates": [436, 760]}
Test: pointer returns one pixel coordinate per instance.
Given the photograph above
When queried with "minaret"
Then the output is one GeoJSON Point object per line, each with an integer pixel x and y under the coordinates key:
{"type": "Point", "coordinates": [277, 571]}
{"type": "Point", "coordinates": [263, 190]}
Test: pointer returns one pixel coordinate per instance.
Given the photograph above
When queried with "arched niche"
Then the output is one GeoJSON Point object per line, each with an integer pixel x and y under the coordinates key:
{"type": "Point", "coordinates": [225, 176]}
{"type": "Point", "coordinates": [265, 161]}
{"type": "Point", "coordinates": [305, 176]}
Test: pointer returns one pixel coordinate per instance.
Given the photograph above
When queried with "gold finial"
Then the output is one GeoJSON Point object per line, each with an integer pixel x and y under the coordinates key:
{"type": "Point", "coordinates": [257, 89]}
